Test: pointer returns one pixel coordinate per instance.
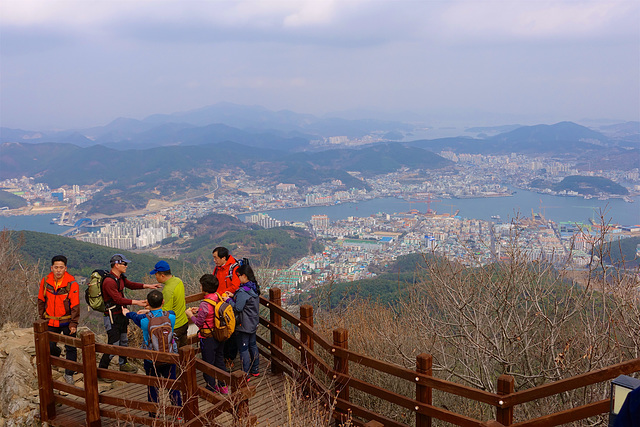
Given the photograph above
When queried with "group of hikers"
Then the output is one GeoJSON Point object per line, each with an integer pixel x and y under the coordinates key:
{"type": "Point", "coordinates": [164, 312]}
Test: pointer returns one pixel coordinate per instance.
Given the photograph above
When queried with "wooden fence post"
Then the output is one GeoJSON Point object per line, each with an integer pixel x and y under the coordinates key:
{"type": "Point", "coordinates": [275, 298]}
{"type": "Point", "coordinates": [423, 393]}
{"type": "Point", "coordinates": [43, 366]}
{"type": "Point", "coordinates": [90, 369]}
{"type": "Point", "coordinates": [341, 364]}
{"type": "Point", "coordinates": [506, 385]}
{"type": "Point", "coordinates": [240, 414]}
{"type": "Point", "coordinates": [306, 361]}
{"type": "Point", "coordinates": [190, 398]}
{"type": "Point", "coordinates": [306, 315]}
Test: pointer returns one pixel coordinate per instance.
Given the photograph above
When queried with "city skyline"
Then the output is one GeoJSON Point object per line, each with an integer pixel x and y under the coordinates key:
{"type": "Point", "coordinates": [71, 64]}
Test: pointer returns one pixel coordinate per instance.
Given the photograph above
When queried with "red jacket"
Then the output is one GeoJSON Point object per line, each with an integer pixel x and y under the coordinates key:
{"type": "Point", "coordinates": [113, 292]}
{"type": "Point", "coordinates": [227, 281]}
{"type": "Point", "coordinates": [60, 304]}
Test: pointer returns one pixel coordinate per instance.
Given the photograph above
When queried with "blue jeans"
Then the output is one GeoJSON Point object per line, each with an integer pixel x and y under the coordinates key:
{"type": "Point", "coordinates": [249, 354]}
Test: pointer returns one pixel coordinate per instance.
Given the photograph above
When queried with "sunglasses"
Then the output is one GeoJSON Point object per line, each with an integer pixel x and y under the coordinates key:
{"type": "Point", "coordinates": [123, 263]}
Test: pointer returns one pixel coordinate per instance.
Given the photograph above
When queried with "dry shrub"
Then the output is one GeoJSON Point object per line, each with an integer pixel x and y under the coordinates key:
{"type": "Point", "coordinates": [19, 282]}
{"type": "Point", "coordinates": [524, 318]}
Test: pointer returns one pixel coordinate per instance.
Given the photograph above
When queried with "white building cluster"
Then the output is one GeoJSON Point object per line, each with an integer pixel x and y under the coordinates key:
{"type": "Point", "coordinates": [133, 233]}
{"type": "Point", "coordinates": [264, 220]}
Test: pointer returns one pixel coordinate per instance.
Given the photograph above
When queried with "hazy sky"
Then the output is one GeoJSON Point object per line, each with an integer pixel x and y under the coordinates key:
{"type": "Point", "coordinates": [75, 63]}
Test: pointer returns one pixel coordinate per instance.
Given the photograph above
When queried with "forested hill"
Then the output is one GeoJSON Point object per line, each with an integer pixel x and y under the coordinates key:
{"type": "Point", "coordinates": [274, 247]}
{"type": "Point", "coordinates": [11, 200]}
{"type": "Point", "coordinates": [82, 257]}
{"type": "Point", "coordinates": [590, 185]}
{"type": "Point", "coordinates": [387, 286]}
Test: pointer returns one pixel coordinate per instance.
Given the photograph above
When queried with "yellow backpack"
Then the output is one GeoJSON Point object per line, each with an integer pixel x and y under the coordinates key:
{"type": "Point", "coordinates": [224, 321]}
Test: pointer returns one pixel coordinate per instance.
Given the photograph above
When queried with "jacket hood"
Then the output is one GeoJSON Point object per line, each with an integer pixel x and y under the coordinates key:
{"type": "Point", "coordinates": [250, 288]}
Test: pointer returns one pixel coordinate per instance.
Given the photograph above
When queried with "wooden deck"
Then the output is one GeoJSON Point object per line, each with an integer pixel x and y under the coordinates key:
{"type": "Point", "coordinates": [268, 403]}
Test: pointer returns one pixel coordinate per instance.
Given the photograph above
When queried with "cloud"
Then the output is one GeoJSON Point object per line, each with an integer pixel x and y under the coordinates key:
{"type": "Point", "coordinates": [352, 23]}
{"type": "Point", "coordinates": [536, 20]}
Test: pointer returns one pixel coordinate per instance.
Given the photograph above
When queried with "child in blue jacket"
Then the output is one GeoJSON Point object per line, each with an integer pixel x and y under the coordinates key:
{"type": "Point", "coordinates": [166, 370]}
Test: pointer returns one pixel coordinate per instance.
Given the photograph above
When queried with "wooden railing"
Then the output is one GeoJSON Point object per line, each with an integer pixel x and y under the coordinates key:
{"type": "Point", "coordinates": [98, 405]}
{"type": "Point", "coordinates": [294, 349]}
{"type": "Point", "coordinates": [303, 341]}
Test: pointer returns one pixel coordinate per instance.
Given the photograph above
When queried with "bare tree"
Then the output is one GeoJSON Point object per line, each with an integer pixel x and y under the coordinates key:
{"type": "Point", "coordinates": [18, 283]}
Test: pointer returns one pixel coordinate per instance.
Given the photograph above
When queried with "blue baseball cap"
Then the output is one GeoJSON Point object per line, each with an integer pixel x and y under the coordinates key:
{"type": "Point", "coordinates": [160, 266]}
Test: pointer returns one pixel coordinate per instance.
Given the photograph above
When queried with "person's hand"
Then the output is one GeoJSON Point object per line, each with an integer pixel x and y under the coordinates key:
{"type": "Point", "coordinates": [143, 311]}
{"type": "Point", "coordinates": [73, 329]}
{"type": "Point", "coordinates": [189, 313]}
{"type": "Point", "coordinates": [140, 302]}
{"type": "Point", "coordinates": [125, 310]}
{"type": "Point", "coordinates": [153, 286]}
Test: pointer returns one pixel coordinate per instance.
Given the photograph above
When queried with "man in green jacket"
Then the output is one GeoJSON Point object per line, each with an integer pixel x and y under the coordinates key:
{"type": "Point", "coordinates": [173, 293]}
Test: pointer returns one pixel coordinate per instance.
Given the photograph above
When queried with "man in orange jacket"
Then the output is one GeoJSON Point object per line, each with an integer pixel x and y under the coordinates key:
{"type": "Point", "coordinates": [225, 271]}
{"type": "Point", "coordinates": [59, 302]}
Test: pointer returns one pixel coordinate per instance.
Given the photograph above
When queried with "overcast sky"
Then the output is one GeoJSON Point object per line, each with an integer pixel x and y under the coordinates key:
{"type": "Point", "coordinates": [67, 64]}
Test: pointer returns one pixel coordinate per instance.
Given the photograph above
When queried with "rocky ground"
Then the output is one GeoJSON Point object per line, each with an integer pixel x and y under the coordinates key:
{"type": "Point", "coordinates": [19, 399]}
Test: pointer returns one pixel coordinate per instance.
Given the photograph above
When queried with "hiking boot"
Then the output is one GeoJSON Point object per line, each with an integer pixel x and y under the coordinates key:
{"type": "Point", "coordinates": [222, 389]}
{"type": "Point", "coordinates": [126, 367]}
{"type": "Point", "coordinates": [69, 379]}
{"type": "Point", "coordinates": [106, 380]}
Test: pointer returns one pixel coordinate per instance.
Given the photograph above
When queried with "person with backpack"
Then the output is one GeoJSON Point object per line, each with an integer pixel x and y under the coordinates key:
{"type": "Point", "coordinates": [246, 305]}
{"type": "Point", "coordinates": [204, 318]}
{"type": "Point", "coordinates": [226, 273]}
{"type": "Point", "coordinates": [174, 300]}
{"type": "Point", "coordinates": [114, 320]}
{"type": "Point", "coordinates": [225, 270]}
{"type": "Point", "coordinates": [158, 333]}
{"type": "Point", "coordinates": [59, 303]}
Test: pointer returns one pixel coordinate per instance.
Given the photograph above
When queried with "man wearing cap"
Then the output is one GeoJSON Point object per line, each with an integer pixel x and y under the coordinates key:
{"type": "Point", "coordinates": [115, 322]}
{"type": "Point", "coordinates": [173, 293]}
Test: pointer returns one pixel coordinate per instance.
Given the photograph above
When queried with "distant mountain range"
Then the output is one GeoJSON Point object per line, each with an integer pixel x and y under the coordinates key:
{"type": "Point", "coordinates": [289, 131]}
{"type": "Point", "coordinates": [249, 125]}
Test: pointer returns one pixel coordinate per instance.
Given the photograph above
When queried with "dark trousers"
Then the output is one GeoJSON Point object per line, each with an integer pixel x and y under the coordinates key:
{"type": "Point", "coordinates": [164, 370]}
{"type": "Point", "coordinates": [116, 335]}
{"type": "Point", "coordinates": [231, 347]}
{"type": "Point", "coordinates": [72, 352]}
{"type": "Point", "coordinates": [248, 347]}
{"type": "Point", "coordinates": [181, 334]}
{"type": "Point", "coordinates": [212, 353]}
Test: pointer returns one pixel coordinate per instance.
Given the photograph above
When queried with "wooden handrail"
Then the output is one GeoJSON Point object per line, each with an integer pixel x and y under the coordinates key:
{"type": "Point", "coordinates": [284, 359]}
{"type": "Point", "coordinates": [560, 386]}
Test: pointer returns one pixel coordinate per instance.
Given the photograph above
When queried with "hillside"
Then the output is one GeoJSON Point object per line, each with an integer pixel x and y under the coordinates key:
{"type": "Point", "coordinates": [133, 177]}
{"type": "Point", "coordinates": [38, 248]}
{"type": "Point", "coordinates": [559, 138]}
{"type": "Point", "coordinates": [590, 185]}
{"type": "Point", "coordinates": [273, 247]}
{"type": "Point", "coordinates": [11, 200]}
